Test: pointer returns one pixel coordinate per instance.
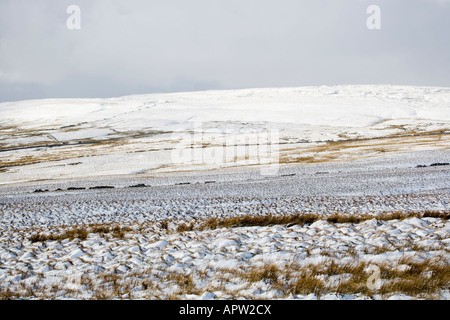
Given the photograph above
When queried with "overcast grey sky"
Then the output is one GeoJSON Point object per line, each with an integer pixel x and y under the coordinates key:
{"type": "Point", "coordinates": [148, 46]}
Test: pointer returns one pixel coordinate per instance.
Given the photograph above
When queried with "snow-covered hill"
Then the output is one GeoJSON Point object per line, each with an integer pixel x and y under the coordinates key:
{"type": "Point", "coordinates": [348, 106]}
{"type": "Point", "coordinates": [305, 119]}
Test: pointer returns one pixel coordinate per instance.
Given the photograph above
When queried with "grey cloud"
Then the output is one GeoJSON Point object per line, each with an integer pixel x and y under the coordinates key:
{"type": "Point", "coordinates": [138, 46]}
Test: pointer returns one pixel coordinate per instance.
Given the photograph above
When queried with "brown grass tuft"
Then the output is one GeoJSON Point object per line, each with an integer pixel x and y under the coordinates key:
{"type": "Point", "coordinates": [81, 233]}
{"type": "Point", "coordinates": [182, 227]}
{"type": "Point", "coordinates": [269, 272]}
{"type": "Point", "coordinates": [303, 219]}
{"type": "Point", "coordinates": [307, 284]}
{"type": "Point", "coordinates": [258, 220]}
{"type": "Point", "coordinates": [75, 233]}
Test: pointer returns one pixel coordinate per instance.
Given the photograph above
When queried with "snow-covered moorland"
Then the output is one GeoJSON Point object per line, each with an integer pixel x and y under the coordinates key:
{"type": "Point", "coordinates": [73, 138]}
{"type": "Point", "coordinates": [95, 201]}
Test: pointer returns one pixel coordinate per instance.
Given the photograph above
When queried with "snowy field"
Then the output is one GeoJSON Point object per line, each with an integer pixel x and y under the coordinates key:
{"type": "Point", "coordinates": [107, 198]}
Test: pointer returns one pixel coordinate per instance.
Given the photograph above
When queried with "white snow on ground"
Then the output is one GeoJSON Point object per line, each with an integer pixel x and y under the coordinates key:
{"type": "Point", "coordinates": [388, 138]}
{"type": "Point", "coordinates": [82, 134]}
{"type": "Point", "coordinates": [151, 260]}
{"type": "Point", "coordinates": [79, 268]}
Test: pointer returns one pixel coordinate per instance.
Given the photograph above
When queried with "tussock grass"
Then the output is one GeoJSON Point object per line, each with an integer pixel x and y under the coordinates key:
{"type": "Point", "coordinates": [340, 218]}
{"type": "Point", "coordinates": [185, 227]}
{"type": "Point", "coordinates": [184, 283]}
{"type": "Point", "coordinates": [424, 278]}
{"type": "Point", "coordinates": [436, 214]}
{"type": "Point", "coordinates": [116, 231]}
{"type": "Point", "coordinates": [81, 233]}
{"type": "Point", "coordinates": [302, 219]}
{"type": "Point", "coordinates": [269, 272]}
{"type": "Point", "coordinates": [75, 233]}
{"type": "Point", "coordinates": [306, 284]}
{"type": "Point", "coordinates": [416, 278]}
{"type": "Point", "coordinates": [257, 220]}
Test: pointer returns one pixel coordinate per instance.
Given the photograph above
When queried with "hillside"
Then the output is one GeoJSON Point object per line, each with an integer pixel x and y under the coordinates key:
{"type": "Point", "coordinates": [149, 134]}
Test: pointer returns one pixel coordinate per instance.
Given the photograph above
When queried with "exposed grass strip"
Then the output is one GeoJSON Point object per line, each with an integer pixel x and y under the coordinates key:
{"type": "Point", "coordinates": [303, 219]}
{"type": "Point", "coordinates": [81, 232]}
